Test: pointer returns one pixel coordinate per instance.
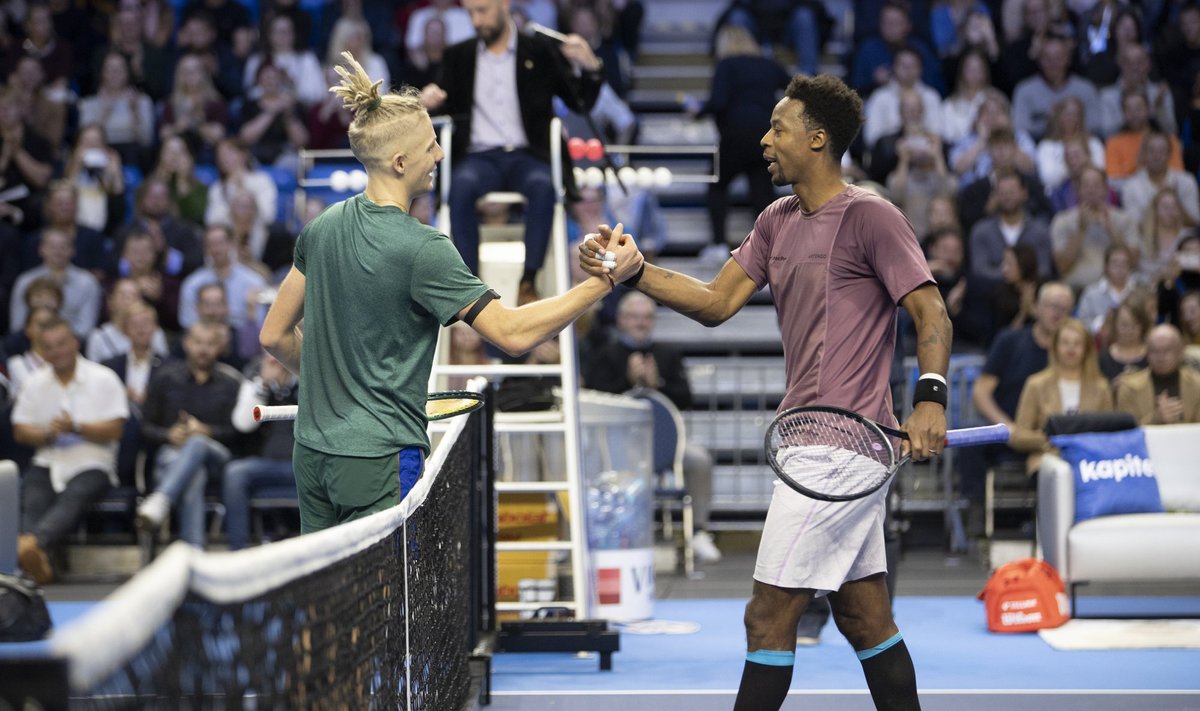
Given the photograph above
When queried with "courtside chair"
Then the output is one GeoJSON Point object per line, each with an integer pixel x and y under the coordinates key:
{"type": "Point", "coordinates": [670, 488]}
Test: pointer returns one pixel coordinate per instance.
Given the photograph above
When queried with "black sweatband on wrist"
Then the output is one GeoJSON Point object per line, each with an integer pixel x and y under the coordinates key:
{"type": "Point", "coordinates": [633, 280]}
{"type": "Point", "coordinates": [488, 297]}
{"type": "Point", "coordinates": [930, 390]}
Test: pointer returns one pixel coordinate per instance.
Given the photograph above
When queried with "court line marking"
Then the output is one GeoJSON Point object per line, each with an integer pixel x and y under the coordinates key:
{"type": "Point", "coordinates": [863, 692]}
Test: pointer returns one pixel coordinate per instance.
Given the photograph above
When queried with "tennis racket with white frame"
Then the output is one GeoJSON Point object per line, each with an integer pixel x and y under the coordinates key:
{"type": "Point", "coordinates": [832, 454]}
{"type": "Point", "coordinates": [438, 406]}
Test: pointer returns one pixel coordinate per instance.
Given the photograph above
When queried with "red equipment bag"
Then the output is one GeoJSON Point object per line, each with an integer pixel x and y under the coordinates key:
{"type": "Point", "coordinates": [1024, 596]}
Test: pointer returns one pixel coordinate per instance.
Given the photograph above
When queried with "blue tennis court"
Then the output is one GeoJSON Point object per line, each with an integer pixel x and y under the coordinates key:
{"type": "Point", "coordinates": [959, 665]}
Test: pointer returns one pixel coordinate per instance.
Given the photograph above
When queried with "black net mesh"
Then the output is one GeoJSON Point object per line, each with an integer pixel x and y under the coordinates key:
{"type": "Point", "coordinates": [388, 627]}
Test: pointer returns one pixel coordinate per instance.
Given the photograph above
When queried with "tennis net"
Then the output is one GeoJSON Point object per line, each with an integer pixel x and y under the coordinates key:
{"type": "Point", "coordinates": [379, 613]}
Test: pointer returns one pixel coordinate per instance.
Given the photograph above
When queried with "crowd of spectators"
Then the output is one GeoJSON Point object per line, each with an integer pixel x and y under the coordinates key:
{"type": "Point", "coordinates": [1031, 142]}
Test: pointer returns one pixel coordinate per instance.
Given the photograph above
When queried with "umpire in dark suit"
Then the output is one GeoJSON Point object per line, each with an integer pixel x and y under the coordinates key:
{"type": "Point", "coordinates": [498, 88]}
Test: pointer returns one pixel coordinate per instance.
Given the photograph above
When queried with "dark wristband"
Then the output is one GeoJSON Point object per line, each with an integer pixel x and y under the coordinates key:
{"type": "Point", "coordinates": [930, 390]}
{"type": "Point", "coordinates": [488, 297]}
{"type": "Point", "coordinates": [633, 280]}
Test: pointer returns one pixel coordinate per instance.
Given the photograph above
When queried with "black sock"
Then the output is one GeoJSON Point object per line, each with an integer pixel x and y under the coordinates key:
{"type": "Point", "coordinates": [765, 686]}
{"type": "Point", "coordinates": [530, 275]}
{"type": "Point", "coordinates": [890, 676]}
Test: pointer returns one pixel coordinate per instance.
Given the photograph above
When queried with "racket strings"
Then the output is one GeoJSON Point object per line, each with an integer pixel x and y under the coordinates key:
{"type": "Point", "coordinates": [449, 407]}
{"type": "Point", "coordinates": [830, 453]}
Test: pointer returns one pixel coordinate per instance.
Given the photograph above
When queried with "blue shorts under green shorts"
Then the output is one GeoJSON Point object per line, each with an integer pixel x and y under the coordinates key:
{"type": "Point", "coordinates": [334, 489]}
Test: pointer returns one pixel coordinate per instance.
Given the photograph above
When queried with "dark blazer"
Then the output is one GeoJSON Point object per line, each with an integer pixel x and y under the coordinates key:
{"type": "Point", "coordinates": [542, 74]}
{"type": "Point", "coordinates": [118, 364]}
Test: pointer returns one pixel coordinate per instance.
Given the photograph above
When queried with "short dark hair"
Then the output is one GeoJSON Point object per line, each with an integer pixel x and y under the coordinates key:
{"type": "Point", "coordinates": [831, 105]}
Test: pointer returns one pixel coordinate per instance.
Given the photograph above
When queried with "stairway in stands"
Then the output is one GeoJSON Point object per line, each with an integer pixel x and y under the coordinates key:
{"type": "Point", "coordinates": [736, 370]}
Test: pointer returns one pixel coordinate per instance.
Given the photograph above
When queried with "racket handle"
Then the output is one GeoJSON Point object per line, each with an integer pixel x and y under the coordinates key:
{"type": "Point", "coordinates": [970, 436]}
{"type": "Point", "coordinates": [268, 413]}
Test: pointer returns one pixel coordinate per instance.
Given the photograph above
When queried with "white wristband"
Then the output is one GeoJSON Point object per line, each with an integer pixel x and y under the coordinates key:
{"type": "Point", "coordinates": [932, 376]}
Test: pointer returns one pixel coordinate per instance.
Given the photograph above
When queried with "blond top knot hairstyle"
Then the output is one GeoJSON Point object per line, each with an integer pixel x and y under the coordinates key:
{"type": "Point", "coordinates": [382, 120]}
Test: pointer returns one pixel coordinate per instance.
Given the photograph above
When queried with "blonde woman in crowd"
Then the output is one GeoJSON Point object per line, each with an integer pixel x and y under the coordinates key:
{"type": "Point", "coordinates": [353, 35]}
{"type": "Point", "coordinates": [195, 110]}
{"type": "Point", "coordinates": [1071, 383]}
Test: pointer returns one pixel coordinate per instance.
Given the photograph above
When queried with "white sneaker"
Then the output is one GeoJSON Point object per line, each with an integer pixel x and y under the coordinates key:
{"type": "Point", "coordinates": [153, 511]}
{"type": "Point", "coordinates": [714, 254]}
{"type": "Point", "coordinates": [704, 549]}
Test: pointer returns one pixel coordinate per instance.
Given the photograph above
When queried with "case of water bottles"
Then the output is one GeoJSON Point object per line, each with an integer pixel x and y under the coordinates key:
{"type": "Point", "coordinates": [616, 449]}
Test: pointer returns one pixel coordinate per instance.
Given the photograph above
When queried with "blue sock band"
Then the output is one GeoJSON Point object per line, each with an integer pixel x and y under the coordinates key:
{"type": "Point", "coordinates": [772, 658]}
{"type": "Point", "coordinates": [887, 644]}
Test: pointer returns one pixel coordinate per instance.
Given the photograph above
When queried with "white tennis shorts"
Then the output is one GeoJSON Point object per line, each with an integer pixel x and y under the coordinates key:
{"type": "Point", "coordinates": [820, 545]}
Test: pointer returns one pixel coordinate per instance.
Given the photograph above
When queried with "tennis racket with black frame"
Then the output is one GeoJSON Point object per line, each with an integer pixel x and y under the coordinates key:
{"type": "Point", "coordinates": [438, 406]}
{"type": "Point", "coordinates": [832, 454]}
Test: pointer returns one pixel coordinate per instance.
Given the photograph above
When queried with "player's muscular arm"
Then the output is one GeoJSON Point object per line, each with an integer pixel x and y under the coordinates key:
{"type": "Point", "coordinates": [926, 427]}
{"type": "Point", "coordinates": [934, 331]}
{"type": "Point", "coordinates": [280, 334]}
{"type": "Point", "coordinates": [709, 303]}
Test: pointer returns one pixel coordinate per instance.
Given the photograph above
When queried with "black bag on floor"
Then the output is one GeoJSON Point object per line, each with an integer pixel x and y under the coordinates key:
{"type": "Point", "coordinates": [23, 613]}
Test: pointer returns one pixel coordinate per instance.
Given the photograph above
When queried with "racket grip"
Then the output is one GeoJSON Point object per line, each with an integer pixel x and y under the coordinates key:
{"type": "Point", "coordinates": [970, 436]}
{"type": "Point", "coordinates": [269, 413]}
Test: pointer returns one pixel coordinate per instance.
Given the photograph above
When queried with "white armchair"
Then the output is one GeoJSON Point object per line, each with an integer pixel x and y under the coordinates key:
{"type": "Point", "coordinates": [1143, 547]}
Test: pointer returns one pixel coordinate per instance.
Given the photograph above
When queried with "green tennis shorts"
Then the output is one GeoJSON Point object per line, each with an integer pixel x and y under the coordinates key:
{"type": "Point", "coordinates": [333, 488]}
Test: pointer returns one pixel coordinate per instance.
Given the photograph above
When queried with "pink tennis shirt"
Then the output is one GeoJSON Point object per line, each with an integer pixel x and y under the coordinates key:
{"type": "Point", "coordinates": [837, 275]}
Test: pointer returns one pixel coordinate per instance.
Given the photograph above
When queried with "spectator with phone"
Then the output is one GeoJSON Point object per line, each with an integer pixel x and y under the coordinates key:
{"type": "Point", "coordinates": [1182, 276]}
{"type": "Point", "coordinates": [94, 168]}
{"type": "Point", "coordinates": [1164, 225]}
{"type": "Point", "coordinates": [920, 171]}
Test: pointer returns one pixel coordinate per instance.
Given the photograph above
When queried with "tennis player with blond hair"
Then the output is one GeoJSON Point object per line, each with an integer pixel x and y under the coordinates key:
{"type": "Point", "coordinates": [372, 285]}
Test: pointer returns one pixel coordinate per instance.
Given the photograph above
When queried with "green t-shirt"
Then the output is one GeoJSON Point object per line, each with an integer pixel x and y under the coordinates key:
{"type": "Point", "coordinates": [378, 283]}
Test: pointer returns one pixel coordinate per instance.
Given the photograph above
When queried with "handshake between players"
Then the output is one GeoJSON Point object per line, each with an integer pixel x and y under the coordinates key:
{"type": "Point", "coordinates": [599, 252]}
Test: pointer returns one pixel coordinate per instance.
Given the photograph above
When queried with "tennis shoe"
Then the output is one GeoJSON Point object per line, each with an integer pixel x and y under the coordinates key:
{"type": "Point", "coordinates": [153, 511]}
{"type": "Point", "coordinates": [704, 549]}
